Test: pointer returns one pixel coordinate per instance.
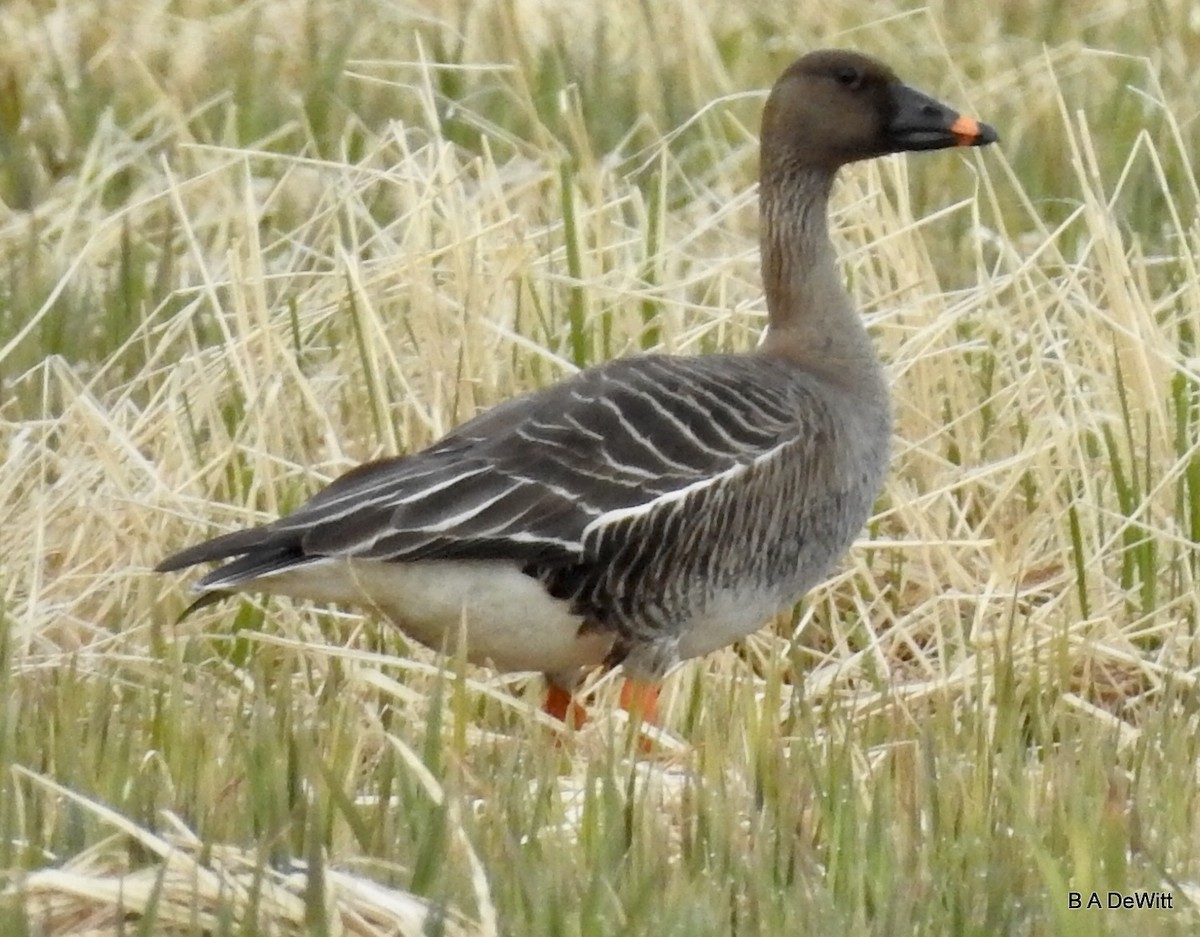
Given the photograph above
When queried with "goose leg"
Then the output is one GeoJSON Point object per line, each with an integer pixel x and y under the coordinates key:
{"type": "Point", "coordinates": [640, 700]}
{"type": "Point", "coordinates": [560, 698]}
{"type": "Point", "coordinates": [561, 704]}
{"type": "Point", "coordinates": [637, 698]}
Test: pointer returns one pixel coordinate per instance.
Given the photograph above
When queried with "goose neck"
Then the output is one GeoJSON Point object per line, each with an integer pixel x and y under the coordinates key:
{"type": "Point", "coordinates": [809, 313]}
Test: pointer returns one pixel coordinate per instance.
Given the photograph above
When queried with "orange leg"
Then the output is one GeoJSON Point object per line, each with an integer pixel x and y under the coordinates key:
{"type": "Point", "coordinates": [562, 706]}
{"type": "Point", "coordinates": [640, 700]}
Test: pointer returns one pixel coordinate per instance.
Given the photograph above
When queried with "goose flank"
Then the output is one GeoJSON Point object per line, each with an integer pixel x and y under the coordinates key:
{"type": "Point", "coordinates": [650, 509]}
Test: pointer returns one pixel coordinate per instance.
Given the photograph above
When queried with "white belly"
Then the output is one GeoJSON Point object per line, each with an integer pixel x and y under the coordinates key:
{"type": "Point", "coordinates": [507, 618]}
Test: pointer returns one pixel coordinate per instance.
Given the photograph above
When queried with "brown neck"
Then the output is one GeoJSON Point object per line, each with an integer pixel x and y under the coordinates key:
{"type": "Point", "coordinates": [810, 317]}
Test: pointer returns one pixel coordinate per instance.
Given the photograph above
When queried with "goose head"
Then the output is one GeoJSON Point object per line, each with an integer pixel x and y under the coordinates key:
{"type": "Point", "coordinates": [834, 107]}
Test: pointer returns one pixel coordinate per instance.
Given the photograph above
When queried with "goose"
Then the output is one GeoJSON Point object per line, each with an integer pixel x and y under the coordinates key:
{"type": "Point", "coordinates": [650, 509]}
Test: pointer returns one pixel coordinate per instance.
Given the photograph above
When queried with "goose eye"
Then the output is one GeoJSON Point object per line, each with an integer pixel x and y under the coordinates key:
{"type": "Point", "coordinates": [848, 77]}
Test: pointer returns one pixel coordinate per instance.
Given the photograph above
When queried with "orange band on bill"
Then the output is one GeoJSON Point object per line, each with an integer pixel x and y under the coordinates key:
{"type": "Point", "coordinates": [965, 130]}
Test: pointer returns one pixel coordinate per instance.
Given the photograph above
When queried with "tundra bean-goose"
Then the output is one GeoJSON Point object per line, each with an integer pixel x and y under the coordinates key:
{"type": "Point", "coordinates": [653, 508]}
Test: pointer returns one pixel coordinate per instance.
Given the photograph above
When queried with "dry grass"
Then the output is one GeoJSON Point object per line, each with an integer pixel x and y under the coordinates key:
{"type": "Point", "coordinates": [245, 246]}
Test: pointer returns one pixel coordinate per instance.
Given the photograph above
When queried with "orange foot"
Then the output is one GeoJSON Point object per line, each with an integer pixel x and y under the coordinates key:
{"type": "Point", "coordinates": [640, 700]}
{"type": "Point", "coordinates": [562, 706]}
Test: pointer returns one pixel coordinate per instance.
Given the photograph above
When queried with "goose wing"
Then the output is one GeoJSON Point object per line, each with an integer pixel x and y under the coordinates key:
{"type": "Point", "coordinates": [527, 479]}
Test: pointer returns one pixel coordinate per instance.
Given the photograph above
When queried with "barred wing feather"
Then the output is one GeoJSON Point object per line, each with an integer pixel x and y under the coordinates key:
{"type": "Point", "coordinates": [529, 479]}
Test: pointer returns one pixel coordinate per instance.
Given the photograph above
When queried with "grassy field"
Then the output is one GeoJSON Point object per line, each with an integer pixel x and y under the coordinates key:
{"type": "Point", "coordinates": [244, 246]}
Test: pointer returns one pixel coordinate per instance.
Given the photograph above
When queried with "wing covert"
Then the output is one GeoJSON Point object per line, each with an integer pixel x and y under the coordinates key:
{"type": "Point", "coordinates": [525, 479]}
